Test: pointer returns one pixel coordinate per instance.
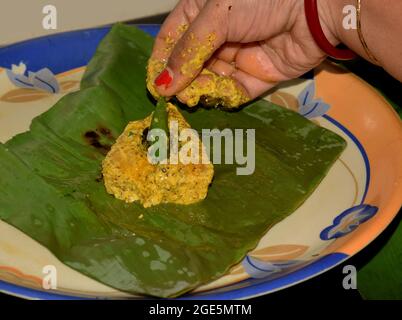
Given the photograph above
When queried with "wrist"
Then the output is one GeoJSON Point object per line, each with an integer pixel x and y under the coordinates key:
{"type": "Point", "coordinates": [350, 36]}
{"type": "Point", "coordinates": [330, 13]}
{"type": "Point", "coordinates": [323, 29]}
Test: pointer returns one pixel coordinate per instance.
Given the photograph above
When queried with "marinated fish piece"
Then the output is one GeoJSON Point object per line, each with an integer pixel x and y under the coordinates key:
{"type": "Point", "coordinates": [130, 176]}
{"type": "Point", "coordinates": [209, 88]}
{"type": "Point", "coordinates": [212, 90]}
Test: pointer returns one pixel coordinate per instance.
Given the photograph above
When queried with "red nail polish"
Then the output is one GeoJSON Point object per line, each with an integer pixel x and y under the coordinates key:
{"type": "Point", "coordinates": [164, 79]}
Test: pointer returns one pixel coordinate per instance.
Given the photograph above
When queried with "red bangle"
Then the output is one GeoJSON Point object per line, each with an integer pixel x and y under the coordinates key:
{"type": "Point", "coordinates": [313, 21]}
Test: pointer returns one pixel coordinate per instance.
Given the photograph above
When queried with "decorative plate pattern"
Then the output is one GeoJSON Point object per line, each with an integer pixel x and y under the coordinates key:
{"type": "Point", "coordinates": [354, 203]}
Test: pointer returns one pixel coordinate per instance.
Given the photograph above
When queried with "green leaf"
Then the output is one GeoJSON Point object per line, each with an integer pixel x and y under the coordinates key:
{"type": "Point", "coordinates": [51, 188]}
{"type": "Point", "coordinates": [381, 277]}
{"type": "Point", "coordinates": [160, 116]}
{"type": "Point", "coordinates": [160, 121]}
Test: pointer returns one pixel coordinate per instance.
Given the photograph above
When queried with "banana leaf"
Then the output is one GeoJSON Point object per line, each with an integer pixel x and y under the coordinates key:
{"type": "Point", "coordinates": [51, 186]}
{"type": "Point", "coordinates": [381, 277]}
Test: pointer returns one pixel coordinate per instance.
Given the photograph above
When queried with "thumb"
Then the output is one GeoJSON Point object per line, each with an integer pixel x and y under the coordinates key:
{"type": "Point", "coordinates": [204, 36]}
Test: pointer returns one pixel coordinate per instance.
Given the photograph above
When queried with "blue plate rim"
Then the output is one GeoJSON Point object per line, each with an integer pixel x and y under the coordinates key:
{"type": "Point", "coordinates": [311, 270]}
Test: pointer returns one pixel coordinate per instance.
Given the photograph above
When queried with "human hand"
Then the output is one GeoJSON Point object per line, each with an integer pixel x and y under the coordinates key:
{"type": "Point", "coordinates": [251, 44]}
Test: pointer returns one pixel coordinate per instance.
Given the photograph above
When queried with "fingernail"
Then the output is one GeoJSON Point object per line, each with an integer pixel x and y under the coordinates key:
{"type": "Point", "coordinates": [165, 78]}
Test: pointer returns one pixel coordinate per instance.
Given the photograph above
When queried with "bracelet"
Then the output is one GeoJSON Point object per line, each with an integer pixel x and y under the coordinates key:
{"type": "Point", "coordinates": [313, 21]}
{"type": "Point", "coordinates": [360, 33]}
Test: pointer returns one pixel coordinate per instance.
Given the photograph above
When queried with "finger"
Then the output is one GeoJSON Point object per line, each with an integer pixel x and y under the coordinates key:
{"type": "Point", "coordinates": [221, 67]}
{"type": "Point", "coordinates": [171, 32]}
{"type": "Point", "coordinates": [189, 96]}
{"type": "Point", "coordinates": [252, 85]}
{"type": "Point", "coordinates": [253, 60]}
{"type": "Point", "coordinates": [250, 58]}
{"type": "Point", "coordinates": [210, 89]}
{"type": "Point", "coordinates": [204, 36]}
{"type": "Point", "coordinates": [228, 52]}
{"type": "Point", "coordinates": [174, 27]}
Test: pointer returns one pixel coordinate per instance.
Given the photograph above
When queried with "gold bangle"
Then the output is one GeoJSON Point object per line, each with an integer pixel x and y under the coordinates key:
{"type": "Point", "coordinates": [360, 32]}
